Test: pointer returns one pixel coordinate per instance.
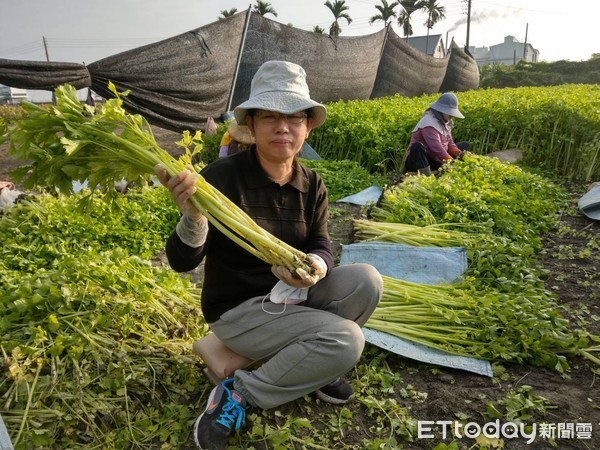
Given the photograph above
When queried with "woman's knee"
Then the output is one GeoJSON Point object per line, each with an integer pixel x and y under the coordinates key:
{"type": "Point", "coordinates": [359, 289]}
{"type": "Point", "coordinates": [464, 145]}
{"type": "Point", "coordinates": [352, 344]}
{"type": "Point", "coordinates": [417, 157]}
{"type": "Point", "coordinates": [367, 280]}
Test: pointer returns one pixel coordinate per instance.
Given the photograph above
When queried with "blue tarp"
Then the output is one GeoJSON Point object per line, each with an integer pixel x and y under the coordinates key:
{"type": "Point", "coordinates": [426, 265]}
{"type": "Point", "coordinates": [5, 443]}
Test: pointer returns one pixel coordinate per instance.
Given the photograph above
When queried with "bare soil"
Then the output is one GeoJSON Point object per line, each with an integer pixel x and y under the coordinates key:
{"type": "Point", "coordinates": [445, 394]}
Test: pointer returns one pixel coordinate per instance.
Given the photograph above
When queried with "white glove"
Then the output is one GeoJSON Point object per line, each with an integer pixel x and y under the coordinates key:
{"type": "Point", "coordinates": [192, 232]}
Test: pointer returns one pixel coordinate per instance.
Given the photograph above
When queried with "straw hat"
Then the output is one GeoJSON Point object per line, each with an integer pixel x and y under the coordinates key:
{"type": "Point", "coordinates": [281, 86]}
{"type": "Point", "coordinates": [240, 133]}
{"type": "Point", "coordinates": [447, 104]}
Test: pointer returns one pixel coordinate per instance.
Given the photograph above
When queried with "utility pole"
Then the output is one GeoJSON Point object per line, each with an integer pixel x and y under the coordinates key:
{"type": "Point", "coordinates": [48, 60]}
{"type": "Point", "coordinates": [468, 23]}
{"type": "Point", "coordinates": [46, 48]}
{"type": "Point", "coordinates": [525, 45]}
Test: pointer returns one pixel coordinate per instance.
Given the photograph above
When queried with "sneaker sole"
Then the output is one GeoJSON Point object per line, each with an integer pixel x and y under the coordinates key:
{"type": "Point", "coordinates": [196, 431]}
{"type": "Point", "coordinates": [334, 401]}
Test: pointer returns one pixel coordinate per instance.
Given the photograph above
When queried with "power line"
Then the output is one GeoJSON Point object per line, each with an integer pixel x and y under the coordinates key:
{"type": "Point", "coordinates": [37, 47]}
{"type": "Point", "coordinates": [100, 43]}
{"type": "Point", "coordinates": [24, 49]}
{"type": "Point", "coordinates": [360, 25]}
{"type": "Point", "coordinates": [520, 8]}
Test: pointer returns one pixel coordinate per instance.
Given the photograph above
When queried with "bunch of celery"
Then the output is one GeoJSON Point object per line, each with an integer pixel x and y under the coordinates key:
{"type": "Point", "coordinates": [435, 235]}
{"type": "Point", "coordinates": [486, 325]}
{"type": "Point", "coordinates": [73, 142]}
{"type": "Point", "coordinates": [437, 316]}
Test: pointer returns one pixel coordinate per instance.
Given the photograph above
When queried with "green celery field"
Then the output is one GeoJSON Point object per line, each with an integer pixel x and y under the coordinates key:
{"type": "Point", "coordinates": [96, 330]}
{"type": "Point", "coordinates": [557, 127]}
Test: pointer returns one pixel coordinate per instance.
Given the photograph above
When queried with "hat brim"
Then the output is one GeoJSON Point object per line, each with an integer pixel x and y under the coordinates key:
{"type": "Point", "coordinates": [240, 133]}
{"type": "Point", "coordinates": [284, 103]}
{"type": "Point", "coordinates": [454, 112]}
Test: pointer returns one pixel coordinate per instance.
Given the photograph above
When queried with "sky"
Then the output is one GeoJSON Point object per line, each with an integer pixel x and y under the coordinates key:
{"type": "Point", "coordinates": [84, 31]}
{"type": "Point", "coordinates": [88, 30]}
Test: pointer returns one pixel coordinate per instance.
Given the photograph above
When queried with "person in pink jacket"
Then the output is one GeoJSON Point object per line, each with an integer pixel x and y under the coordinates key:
{"type": "Point", "coordinates": [431, 143]}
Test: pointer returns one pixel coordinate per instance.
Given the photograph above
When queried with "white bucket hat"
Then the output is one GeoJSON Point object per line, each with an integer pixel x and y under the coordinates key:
{"type": "Point", "coordinates": [280, 86]}
{"type": "Point", "coordinates": [447, 104]}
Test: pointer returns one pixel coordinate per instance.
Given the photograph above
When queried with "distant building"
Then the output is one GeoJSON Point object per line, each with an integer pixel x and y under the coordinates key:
{"type": "Point", "coordinates": [12, 96]}
{"type": "Point", "coordinates": [508, 53]}
{"type": "Point", "coordinates": [432, 45]}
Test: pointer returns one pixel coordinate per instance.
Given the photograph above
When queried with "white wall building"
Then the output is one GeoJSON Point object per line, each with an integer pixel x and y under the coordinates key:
{"type": "Point", "coordinates": [432, 45]}
{"type": "Point", "coordinates": [509, 53]}
{"type": "Point", "coordinates": [12, 96]}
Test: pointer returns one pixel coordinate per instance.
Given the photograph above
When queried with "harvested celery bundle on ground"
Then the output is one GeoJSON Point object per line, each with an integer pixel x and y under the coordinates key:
{"type": "Point", "coordinates": [486, 325]}
{"type": "Point", "coordinates": [436, 235]}
{"type": "Point", "coordinates": [73, 142]}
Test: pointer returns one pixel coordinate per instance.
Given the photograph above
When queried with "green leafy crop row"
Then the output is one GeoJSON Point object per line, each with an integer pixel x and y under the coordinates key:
{"type": "Point", "coordinates": [507, 209]}
{"type": "Point", "coordinates": [344, 178]}
{"type": "Point", "coordinates": [45, 227]}
{"type": "Point", "coordinates": [95, 341]}
{"type": "Point", "coordinates": [558, 127]}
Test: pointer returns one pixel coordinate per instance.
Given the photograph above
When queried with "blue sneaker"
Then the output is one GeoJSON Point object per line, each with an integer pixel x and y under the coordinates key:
{"type": "Point", "coordinates": [224, 414]}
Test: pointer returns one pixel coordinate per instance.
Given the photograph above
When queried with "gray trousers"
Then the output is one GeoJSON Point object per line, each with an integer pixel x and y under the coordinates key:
{"type": "Point", "coordinates": [303, 346]}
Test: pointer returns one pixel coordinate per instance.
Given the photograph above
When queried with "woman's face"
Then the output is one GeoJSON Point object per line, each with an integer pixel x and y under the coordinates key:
{"type": "Point", "coordinates": [279, 137]}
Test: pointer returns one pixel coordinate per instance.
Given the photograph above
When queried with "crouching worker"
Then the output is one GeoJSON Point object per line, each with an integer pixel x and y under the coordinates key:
{"type": "Point", "coordinates": [431, 143]}
{"type": "Point", "coordinates": [307, 331]}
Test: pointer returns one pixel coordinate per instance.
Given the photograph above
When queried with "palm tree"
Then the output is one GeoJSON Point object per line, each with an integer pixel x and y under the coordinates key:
{"type": "Point", "coordinates": [386, 12]}
{"type": "Point", "coordinates": [263, 8]}
{"type": "Point", "coordinates": [435, 13]}
{"type": "Point", "coordinates": [408, 7]}
{"type": "Point", "coordinates": [227, 13]}
{"type": "Point", "coordinates": [338, 8]}
{"type": "Point", "coordinates": [318, 29]}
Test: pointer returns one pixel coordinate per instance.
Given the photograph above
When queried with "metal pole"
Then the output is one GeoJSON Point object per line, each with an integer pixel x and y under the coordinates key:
{"type": "Point", "coordinates": [447, 44]}
{"type": "Point", "coordinates": [385, 38]}
{"type": "Point", "coordinates": [239, 59]}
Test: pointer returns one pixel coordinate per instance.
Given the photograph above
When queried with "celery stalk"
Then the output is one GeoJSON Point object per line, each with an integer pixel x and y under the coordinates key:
{"type": "Point", "coordinates": [73, 142]}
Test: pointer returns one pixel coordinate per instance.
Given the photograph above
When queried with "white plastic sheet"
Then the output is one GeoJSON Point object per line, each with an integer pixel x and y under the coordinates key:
{"type": "Point", "coordinates": [365, 197]}
{"type": "Point", "coordinates": [589, 203]}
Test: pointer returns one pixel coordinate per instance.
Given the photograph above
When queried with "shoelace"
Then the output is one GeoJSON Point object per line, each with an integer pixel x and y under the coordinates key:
{"type": "Point", "coordinates": [232, 412]}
